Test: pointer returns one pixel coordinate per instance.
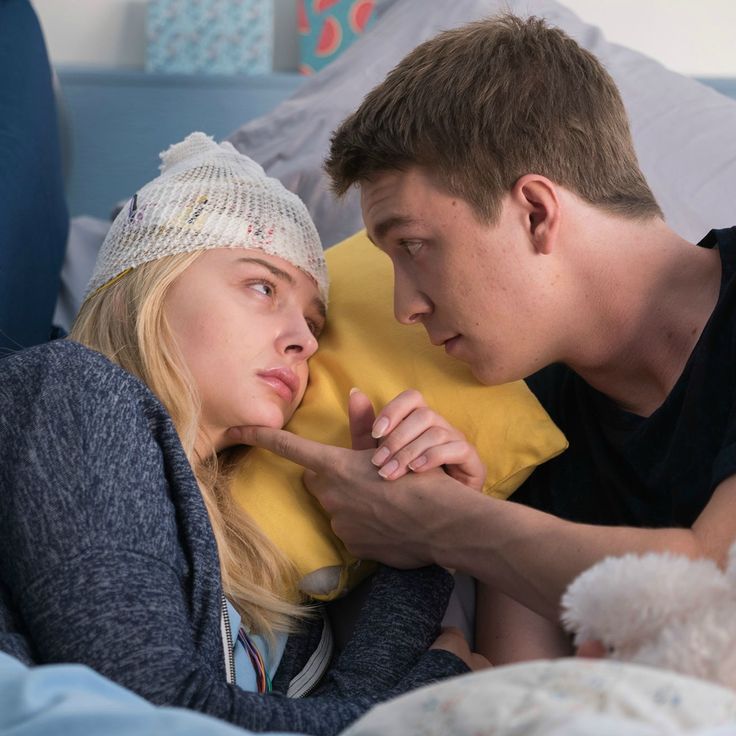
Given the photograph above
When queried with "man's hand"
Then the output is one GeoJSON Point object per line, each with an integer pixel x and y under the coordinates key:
{"type": "Point", "coordinates": [592, 649]}
{"type": "Point", "coordinates": [390, 521]}
{"type": "Point", "coordinates": [453, 640]}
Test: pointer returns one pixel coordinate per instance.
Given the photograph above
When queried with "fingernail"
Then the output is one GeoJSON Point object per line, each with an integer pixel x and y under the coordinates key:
{"type": "Point", "coordinates": [414, 464]}
{"type": "Point", "coordinates": [389, 469]}
{"type": "Point", "coordinates": [354, 390]}
{"type": "Point", "coordinates": [381, 456]}
{"type": "Point", "coordinates": [379, 428]}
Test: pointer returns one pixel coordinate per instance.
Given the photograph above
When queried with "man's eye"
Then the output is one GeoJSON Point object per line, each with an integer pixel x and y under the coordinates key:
{"type": "Point", "coordinates": [411, 246]}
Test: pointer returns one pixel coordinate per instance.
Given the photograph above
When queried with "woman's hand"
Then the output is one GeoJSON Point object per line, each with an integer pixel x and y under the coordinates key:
{"type": "Point", "coordinates": [453, 640]}
{"type": "Point", "coordinates": [415, 438]}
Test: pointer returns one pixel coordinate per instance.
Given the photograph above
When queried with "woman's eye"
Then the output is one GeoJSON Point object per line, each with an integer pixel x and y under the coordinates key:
{"type": "Point", "coordinates": [315, 328]}
{"type": "Point", "coordinates": [411, 246]}
{"type": "Point", "coordinates": [264, 287]}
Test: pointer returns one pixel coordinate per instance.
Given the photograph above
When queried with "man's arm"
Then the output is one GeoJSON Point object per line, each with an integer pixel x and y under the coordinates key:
{"type": "Point", "coordinates": [533, 556]}
{"type": "Point", "coordinates": [527, 554]}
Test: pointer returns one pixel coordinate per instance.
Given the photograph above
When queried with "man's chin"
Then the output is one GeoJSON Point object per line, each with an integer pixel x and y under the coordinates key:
{"type": "Point", "coordinates": [480, 376]}
{"type": "Point", "coordinates": [478, 367]}
{"type": "Point", "coordinates": [484, 372]}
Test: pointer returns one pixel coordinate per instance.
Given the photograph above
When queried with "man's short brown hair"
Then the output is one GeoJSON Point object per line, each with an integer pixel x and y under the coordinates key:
{"type": "Point", "coordinates": [482, 105]}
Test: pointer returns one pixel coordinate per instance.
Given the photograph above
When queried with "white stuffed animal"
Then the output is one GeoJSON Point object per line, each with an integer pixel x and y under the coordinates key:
{"type": "Point", "coordinates": [655, 613]}
{"type": "Point", "coordinates": [659, 610]}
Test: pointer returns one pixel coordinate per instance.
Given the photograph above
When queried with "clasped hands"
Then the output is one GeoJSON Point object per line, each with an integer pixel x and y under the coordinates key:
{"type": "Point", "coordinates": [385, 495]}
{"type": "Point", "coordinates": [425, 459]}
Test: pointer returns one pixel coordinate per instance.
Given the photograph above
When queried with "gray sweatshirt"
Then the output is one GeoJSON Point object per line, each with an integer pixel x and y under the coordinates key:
{"type": "Point", "coordinates": [107, 558]}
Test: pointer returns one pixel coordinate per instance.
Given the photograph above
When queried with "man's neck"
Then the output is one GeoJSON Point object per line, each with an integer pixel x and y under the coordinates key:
{"type": "Point", "coordinates": [654, 293]}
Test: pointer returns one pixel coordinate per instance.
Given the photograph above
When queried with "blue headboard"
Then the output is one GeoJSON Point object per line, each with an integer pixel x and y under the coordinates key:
{"type": "Point", "coordinates": [118, 121]}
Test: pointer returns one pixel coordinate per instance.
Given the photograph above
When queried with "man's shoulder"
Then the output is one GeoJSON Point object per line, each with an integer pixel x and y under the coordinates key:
{"type": "Point", "coordinates": [548, 383]}
{"type": "Point", "coordinates": [720, 237]}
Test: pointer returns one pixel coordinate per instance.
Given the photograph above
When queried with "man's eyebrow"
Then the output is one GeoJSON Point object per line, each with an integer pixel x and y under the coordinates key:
{"type": "Point", "coordinates": [275, 270]}
{"type": "Point", "coordinates": [383, 227]}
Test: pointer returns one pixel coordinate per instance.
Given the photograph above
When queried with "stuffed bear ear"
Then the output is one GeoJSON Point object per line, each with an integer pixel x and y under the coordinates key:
{"type": "Point", "coordinates": [625, 601]}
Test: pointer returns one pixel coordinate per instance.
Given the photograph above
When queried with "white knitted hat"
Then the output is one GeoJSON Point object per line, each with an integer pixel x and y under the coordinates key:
{"type": "Point", "coordinates": [210, 196]}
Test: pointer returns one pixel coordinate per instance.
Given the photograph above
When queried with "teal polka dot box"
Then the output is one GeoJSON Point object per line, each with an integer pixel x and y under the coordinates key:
{"type": "Point", "coordinates": [209, 36]}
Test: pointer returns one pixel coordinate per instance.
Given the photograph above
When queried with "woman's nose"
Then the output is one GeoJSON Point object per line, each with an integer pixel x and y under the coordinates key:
{"type": "Point", "coordinates": [299, 338]}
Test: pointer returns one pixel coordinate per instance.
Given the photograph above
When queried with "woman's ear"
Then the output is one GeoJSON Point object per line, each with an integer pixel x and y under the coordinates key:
{"type": "Point", "coordinates": [537, 196]}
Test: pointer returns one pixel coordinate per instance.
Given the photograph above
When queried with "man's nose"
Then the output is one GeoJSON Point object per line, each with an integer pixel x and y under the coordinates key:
{"type": "Point", "coordinates": [410, 304]}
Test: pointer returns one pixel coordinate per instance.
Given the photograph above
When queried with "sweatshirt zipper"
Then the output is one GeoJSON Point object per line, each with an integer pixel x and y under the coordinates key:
{"type": "Point", "coordinates": [311, 674]}
{"type": "Point", "coordinates": [227, 643]}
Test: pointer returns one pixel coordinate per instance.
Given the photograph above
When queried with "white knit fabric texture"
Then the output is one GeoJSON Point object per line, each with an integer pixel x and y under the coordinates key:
{"type": "Point", "coordinates": [210, 196]}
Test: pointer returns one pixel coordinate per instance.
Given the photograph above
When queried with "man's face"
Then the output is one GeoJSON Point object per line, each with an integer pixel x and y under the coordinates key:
{"type": "Point", "coordinates": [472, 285]}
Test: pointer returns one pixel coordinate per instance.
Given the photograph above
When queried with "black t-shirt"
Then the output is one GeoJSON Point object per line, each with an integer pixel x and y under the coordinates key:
{"type": "Point", "coordinates": [659, 471]}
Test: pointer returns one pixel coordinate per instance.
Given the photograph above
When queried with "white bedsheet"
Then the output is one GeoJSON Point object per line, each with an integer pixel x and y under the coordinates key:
{"type": "Point", "coordinates": [565, 697]}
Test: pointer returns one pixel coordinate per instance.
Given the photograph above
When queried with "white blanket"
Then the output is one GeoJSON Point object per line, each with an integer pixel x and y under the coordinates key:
{"type": "Point", "coordinates": [566, 697]}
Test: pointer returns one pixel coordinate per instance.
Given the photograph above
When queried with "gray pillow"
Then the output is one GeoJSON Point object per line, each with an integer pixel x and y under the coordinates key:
{"type": "Point", "coordinates": [683, 130]}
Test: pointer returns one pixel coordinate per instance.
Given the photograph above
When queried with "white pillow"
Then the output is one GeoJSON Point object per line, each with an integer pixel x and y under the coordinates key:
{"type": "Point", "coordinates": [83, 242]}
{"type": "Point", "coordinates": [683, 130]}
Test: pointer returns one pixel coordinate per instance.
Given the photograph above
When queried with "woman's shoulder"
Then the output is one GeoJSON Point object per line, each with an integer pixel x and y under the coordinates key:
{"type": "Point", "coordinates": [72, 400]}
{"type": "Point", "coordinates": [62, 356]}
{"type": "Point", "coordinates": [67, 379]}
{"type": "Point", "coordinates": [63, 365]}
{"type": "Point", "coordinates": [59, 356]}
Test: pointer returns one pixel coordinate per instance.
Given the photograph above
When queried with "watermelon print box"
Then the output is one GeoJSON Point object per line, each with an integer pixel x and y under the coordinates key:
{"type": "Point", "coordinates": [328, 27]}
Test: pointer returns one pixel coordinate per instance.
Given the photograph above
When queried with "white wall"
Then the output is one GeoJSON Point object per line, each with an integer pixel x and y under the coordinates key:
{"type": "Point", "coordinates": [691, 37]}
{"type": "Point", "coordinates": [112, 33]}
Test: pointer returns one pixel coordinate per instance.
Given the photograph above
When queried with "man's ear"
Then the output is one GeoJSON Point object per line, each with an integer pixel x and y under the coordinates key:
{"type": "Point", "coordinates": [537, 196]}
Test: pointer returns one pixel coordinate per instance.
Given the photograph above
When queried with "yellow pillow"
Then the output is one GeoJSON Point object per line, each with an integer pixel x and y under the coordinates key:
{"type": "Point", "coordinates": [364, 346]}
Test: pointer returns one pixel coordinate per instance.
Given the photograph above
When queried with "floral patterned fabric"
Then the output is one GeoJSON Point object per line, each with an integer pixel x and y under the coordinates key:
{"type": "Point", "coordinates": [565, 697]}
{"type": "Point", "coordinates": [210, 36]}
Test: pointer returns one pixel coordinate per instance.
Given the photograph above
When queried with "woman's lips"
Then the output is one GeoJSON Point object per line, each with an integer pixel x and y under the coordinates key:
{"type": "Point", "coordinates": [283, 381]}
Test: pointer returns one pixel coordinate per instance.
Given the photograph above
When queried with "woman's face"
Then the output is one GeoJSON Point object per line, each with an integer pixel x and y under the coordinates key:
{"type": "Point", "coordinates": [246, 323]}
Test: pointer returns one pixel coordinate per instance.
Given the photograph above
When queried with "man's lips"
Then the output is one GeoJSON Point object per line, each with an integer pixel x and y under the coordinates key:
{"type": "Point", "coordinates": [451, 344]}
{"type": "Point", "coordinates": [283, 381]}
{"type": "Point", "coordinates": [446, 342]}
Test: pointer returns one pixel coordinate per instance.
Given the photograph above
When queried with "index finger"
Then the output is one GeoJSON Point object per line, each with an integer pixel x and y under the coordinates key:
{"type": "Point", "coordinates": [307, 453]}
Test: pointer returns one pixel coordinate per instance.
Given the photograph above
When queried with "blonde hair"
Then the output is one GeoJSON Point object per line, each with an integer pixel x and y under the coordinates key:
{"type": "Point", "coordinates": [126, 322]}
